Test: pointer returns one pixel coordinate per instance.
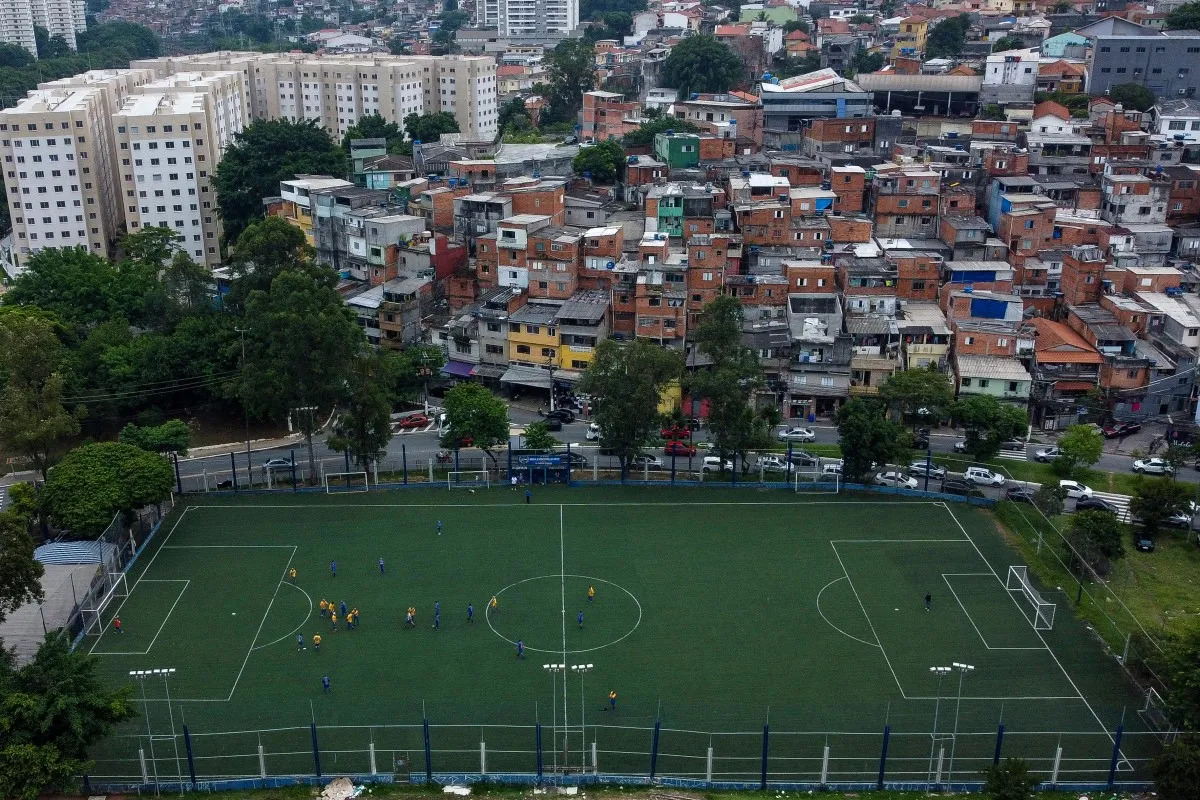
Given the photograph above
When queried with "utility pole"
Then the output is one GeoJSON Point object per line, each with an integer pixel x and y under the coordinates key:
{"type": "Point", "coordinates": [245, 411]}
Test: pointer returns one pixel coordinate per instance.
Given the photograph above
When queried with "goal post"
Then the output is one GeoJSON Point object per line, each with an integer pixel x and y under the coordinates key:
{"type": "Point", "coordinates": [1043, 613]}
{"type": "Point", "coordinates": [342, 482]}
{"type": "Point", "coordinates": [1154, 712]}
{"type": "Point", "coordinates": [94, 613]}
{"type": "Point", "coordinates": [467, 479]}
{"type": "Point", "coordinates": [816, 481]}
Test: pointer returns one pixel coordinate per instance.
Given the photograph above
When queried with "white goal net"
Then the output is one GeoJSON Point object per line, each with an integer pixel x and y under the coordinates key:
{"type": "Point", "coordinates": [467, 479]}
{"type": "Point", "coordinates": [341, 482]}
{"type": "Point", "coordinates": [1043, 612]}
{"type": "Point", "coordinates": [1154, 712]}
{"type": "Point", "coordinates": [816, 481]}
{"type": "Point", "coordinates": [94, 614]}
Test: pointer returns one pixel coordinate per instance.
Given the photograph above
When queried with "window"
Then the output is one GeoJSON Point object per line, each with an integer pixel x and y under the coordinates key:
{"type": "Point", "coordinates": [1012, 386]}
{"type": "Point", "coordinates": [983, 383]}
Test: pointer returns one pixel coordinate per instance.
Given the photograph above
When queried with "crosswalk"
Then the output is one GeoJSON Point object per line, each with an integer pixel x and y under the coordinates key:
{"type": "Point", "coordinates": [1013, 455]}
{"type": "Point", "coordinates": [1121, 501]}
{"type": "Point", "coordinates": [411, 431]}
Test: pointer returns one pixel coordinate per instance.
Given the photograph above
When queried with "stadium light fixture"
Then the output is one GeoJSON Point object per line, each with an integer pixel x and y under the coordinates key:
{"type": "Point", "coordinates": [963, 671]}
{"type": "Point", "coordinates": [554, 669]}
{"type": "Point", "coordinates": [581, 670]}
{"type": "Point", "coordinates": [940, 673]}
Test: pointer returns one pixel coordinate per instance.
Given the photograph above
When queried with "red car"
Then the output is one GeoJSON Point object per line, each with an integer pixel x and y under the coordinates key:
{"type": "Point", "coordinates": [1115, 430]}
{"type": "Point", "coordinates": [679, 449]}
{"type": "Point", "coordinates": [415, 421]}
{"type": "Point", "coordinates": [674, 432]}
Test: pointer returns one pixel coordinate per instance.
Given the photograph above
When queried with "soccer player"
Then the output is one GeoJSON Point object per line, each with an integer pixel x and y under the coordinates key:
{"type": "Point", "coordinates": [495, 605]}
{"type": "Point", "coordinates": [470, 613]}
{"type": "Point", "coordinates": [354, 613]}
{"type": "Point", "coordinates": [437, 615]}
{"type": "Point", "coordinates": [408, 618]}
{"type": "Point", "coordinates": [324, 604]}
{"type": "Point", "coordinates": [439, 527]}
{"type": "Point", "coordinates": [325, 684]}
{"type": "Point", "coordinates": [333, 568]}
{"type": "Point", "coordinates": [292, 574]}
{"type": "Point", "coordinates": [928, 601]}
{"type": "Point", "coordinates": [299, 642]}
{"type": "Point", "coordinates": [580, 619]}
{"type": "Point", "coordinates": [612, 700]}
{"type": "Point", "coordinates": [380, 565]}
{"type": "Point", "coordinates": [343, 608]}
{"type": "Point", "coordinates": [317, 642]}
{"type": "Point", "coordinates": [520, 648]}
{"type": "Point", "coordinates": [528, 496]}
{"type": "Point", "coordinates": [333, 619]}
{"type": "Point", "coordinates": [591, 593]}
{"type": "Point", "coordinates": [117, 624]}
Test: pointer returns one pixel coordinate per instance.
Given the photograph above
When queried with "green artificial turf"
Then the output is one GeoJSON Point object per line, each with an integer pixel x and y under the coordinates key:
{"type": "Point", "coordinates": [718, 612]}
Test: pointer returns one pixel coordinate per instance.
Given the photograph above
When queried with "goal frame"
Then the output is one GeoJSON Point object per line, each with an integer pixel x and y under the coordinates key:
{"type": "Point", "coordinates": [92, 615]}
{"type": "Point", "coordinates": [804, 480]}
{"type": "Point", "coordinates": [347, 489]}
{"type": "Point", "coordinates": [477, 478]}
{"type": "Point", "coordinates": [1153, 712]}
{"type": "Point", "coordinates": [1043, 612]}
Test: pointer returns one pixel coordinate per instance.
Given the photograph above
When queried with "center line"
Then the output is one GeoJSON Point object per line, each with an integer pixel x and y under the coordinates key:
{"type": "Point", "coordinates": [562, 572]}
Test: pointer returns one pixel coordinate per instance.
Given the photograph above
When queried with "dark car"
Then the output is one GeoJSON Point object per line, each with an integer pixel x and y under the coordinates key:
{"type": "Point", "coordinates": [799, 458]}
{"type": "Point", "coordinates": [694, 424]}
{"type": "Point", "coordinates": [964, 488]}
{"type": "Point", "coordinates": [564, 415]}
{"type": "Point", "coordinates": [1019, 494]}
{"type": "Point", "coordinates": [1115, 430]}
{"type": "Point", "coordinates": [921, 439]}
{"type": "Point", "coordinates": [552, 423]}
{"type": "Point", "coordinates": [1095, 504]}
{"type": "Point", "coordinates": [1144, 545]}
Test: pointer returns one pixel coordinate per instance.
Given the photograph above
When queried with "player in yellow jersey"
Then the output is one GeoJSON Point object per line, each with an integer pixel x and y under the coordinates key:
{"type": "Point", "coordinates": [324, 604]}
{"type": "Point", "coordinates": [317, 642]}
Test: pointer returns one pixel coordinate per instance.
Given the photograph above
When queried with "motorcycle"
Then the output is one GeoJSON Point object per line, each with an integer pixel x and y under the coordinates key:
{"type": "Point", "coordinates": [444, 457]}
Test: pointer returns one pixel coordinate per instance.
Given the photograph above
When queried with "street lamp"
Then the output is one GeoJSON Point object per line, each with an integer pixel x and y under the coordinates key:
{"type": "Point", "coordinates": [581, 670]}
{"type": "Point", "coordinates": [963, 671]}
{"type": "Point", "coordinates": [140, 676]}
{"type": "Point", "coordinates": [941, 673]}
{"type": "Point", "coordinates": [554, 669]}
{"type": "Point", "coordinates": [166, 674]}
{"type": "Point", "coordinates": [245, 411]}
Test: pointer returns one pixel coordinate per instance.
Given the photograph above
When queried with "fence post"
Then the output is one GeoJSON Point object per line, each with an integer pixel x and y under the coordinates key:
{"type": "Point", "coordinates": [1057, 761]}
{"type": "Point", "coordinates": [428, 758]}
{"type": "Point", "coordinates": [374, 772]}
{"type": "Point", "coordinates": [825, 767]}
{"type": "Point", "coordinates": [999, 743]}
{"type": "Point", "coordinates": [404, 462]}
{"type": "Point", "coordinates": [595, 770]}
{"type": "Point", "coordinates": [482, 757]}
{"type": "Point", "coordinates": [887, 734]}
{"type": "Point", "coordinates": [262, 762]}
{"type": "Point", "coordinates": [1112, 767]}
{"type": "Point", "coordinates": [87, 784]}
{"type": "Point", "coordinates": [142, 761]}
{"type": "Point", "coordinates": [538, 738]}
{"type": "Point", "coordinates": [347, 453]}
{"type": "Point", "coordinates": [654, 749]}
{"type": "Point", "coordinates": [312, 726]}
{"type": "Point", "coordinates": [295, 484]}
{"type": "Point", "coordinates": [233, 466]}
{"type": "Point", "coordinates": [568, 463]}
{"type": "Point", "coordinates": [672, 470]}
{"type": "Point", "coordinates": [762, 781]}
{"type": "Point", "coordinates": [178, 478]}
{"type": "Point", "coordinates": [187, 745]}
{"type": "Point", "coordinates": [708, 762]}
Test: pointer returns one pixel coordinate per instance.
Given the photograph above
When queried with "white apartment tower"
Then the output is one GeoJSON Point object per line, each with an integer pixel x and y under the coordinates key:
{"type": "Point", "coordinates": [62, 18]}
{"type": "Point", "coordinates": [536, 18]}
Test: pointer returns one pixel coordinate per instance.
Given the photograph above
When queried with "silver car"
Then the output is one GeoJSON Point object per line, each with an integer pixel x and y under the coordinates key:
{"type": "Point", "coordinates": [919, 468]}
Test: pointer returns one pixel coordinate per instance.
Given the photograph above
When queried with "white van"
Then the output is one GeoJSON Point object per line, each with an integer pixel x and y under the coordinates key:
{"type": "Point", "coordinates": [714, 464]}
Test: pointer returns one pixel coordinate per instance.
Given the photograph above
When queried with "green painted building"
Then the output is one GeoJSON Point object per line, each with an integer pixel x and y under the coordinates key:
{"type": "Point", "coordinates": [677, 150]}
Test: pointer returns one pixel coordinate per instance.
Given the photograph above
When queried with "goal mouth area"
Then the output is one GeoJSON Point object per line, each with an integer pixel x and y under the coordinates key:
{"type": "Point", "coordinates": [468, 479]}
{"type": "Point", "coordinates": [1043, 612]}
{"type": "Point", "coordinates": [346, 482]}
{"type": "Point", "coordinates": [93, 614]}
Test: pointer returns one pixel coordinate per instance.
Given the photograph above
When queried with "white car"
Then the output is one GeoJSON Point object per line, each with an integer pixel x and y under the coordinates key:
{"type": "Point", "coordinates": [895, 479]}
{"type": "Point", "coordinates": [798, 435]}
{"type": "Point", "coordinates": [714, 464]}
{"type": "Point", "coordinates": [982, 476]}
{"type": "Point", "coordinates": [833, 468]}
{"type": "Point", "coordinates": [1046, 454]}
{"type": "Point", "coordinates": [1183, 517]}
{"type": "Point", "coordinates": [1074, 489]}
{"type": "Point", "coordinates": [645, 461]}
{"type": "Point", "coordinates": [960, 446]}
{"type": "Point", "coordinates": [593, 432]}
{"type": "Point", "coordinates": [919, 468]}
{"type": "Point", "coordinates": [1153, 466]}
{"type": "Point", "coordinates": [770, 462]}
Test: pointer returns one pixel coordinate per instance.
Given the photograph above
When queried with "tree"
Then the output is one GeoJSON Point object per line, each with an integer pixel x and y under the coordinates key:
{"type": "Point", "coordinates": [571, 71]}
{"type": "Point", "coordinates": [300, 341]}
{"type": "Point", "coordinates": [539, 438]}
{"type": "Point", "coordinates": [795, 25]}
{"type": "Point", "coordinates": [701, 64]}
{"type": "Point", "coordinates": [1005, 43]}
{"type": "Point", "coordinates": [619, 22]}
{"type": "Point", "coordinates": [867, 61]}
{"type": "Point", "coordinates": [948, 37]}
{"type": "Point", "coordinates": [95, 481]}
{"type": "Point", "coordinates": [1062, 7]}
{"type": "Point", "coordinates": [1176, 769]}
{"type": "Point", "coordinates": [1049, 500]}
{"type": "Point", "coordinates": [628, 379]}
{"type": "Point", "coordinates": [374, 126]}
{"type": "Point", "coordinates": [1177, 456]}
{"type": "Point", "coordinates": [1184, 18]}
{"type": "Point", "coordinates": [265, 250]}
{"type": "Point", "coordinates": [1179, 666]}
{"type": "Point", "coordinates": [1133, 96]}
{"type": "Point", "coordinates": [1079, 447]}
{"type": "Point", "coordinates": [33, 417]}
{"type": "Point", "coordinates": [13, 56]}
{"type": "Point", "coordinates": [430, 127]}
{"type": "Point", "coordinates": [514, 112]}
{"type": "Point", "coordinates": [923, 393]}
{"type": "Point", "coordinates": [643, 135]}
{"type": "Point", "coordinates": [51, 711]}
{"type": "Point", "coordinates": [1093, 541]}
{"type": "Point", "coordinates": [869, 439]}
{"type": "Point", "coordinates": [49, 47]}
{"type": "Point", "coordinates": [263, 154]}
{"type": "Point", "coordinates": [604, 160]}
{"type": "Point", "coordinates": [20, 572]}
{"type": "Point", "coordinates": [1155, 500]}
{"type": "Point", "coordinates": [364, 423]}
{"type": "Point", "coordinates": [173, 436]}
{"type": "Point", "coordinates": [1009, 780]}
{"type": "Point", "coordinates": [988, 423]}
{"type": "Point", "coordinates": [474, 413]}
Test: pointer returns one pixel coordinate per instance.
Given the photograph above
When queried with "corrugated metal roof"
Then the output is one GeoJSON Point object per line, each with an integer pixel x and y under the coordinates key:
{"type": "Point", "coordinates": [887, 82]}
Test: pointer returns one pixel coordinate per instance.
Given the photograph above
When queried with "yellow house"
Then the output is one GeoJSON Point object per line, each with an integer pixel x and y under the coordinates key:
{"type": "Point", "coordinates": [583, 321]}
{"type": "Point", "coordinates": [533, 338]}
{"type": "Point", "coordinates": [297, 201]}
{"type": "Point", "coordinates": [910, 37]}
{"type": "Point", "coordinates": [670, 398]}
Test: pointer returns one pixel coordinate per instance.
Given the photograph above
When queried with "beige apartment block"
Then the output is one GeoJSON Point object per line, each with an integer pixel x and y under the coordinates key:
{"type": "Point", "coordinates": [58, 171]}
{"type": "Point", "coordinates": [59, 17]}
{"type": "Point", "coordinates": [336, 91]}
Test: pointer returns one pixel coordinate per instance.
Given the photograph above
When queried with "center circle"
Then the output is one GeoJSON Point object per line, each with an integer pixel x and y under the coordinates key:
{"type": "Point", "coordinates": [543, 612]}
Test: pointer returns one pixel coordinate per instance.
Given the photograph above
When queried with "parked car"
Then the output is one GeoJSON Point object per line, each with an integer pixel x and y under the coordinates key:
{"type": "Point", "coordinates": [1019, 494]}
{"type": "Point", "coordinates": [413, 421]}
{"type": "Point", "coordinates": [797, 435]}
{"type": "Point", "coordinates": [565, 414]}
{"type": "Point", "coordinates": [644, 461]}
{"type": "Point", "coordinates": [1095, 504]}
{"type": "Point", "coordinates": [834, 468]}
{"type": "Point", "coordinates": [960, 446]}
{"type": "Point", "coordinates": [919, 468]}
{"type": "Point", "coordinates": [674, 432]}
{"type": "Point", "coordinates": [593, 433]}
{"type": "Point", "coordinates": [1183, 518]}
{"type": "Point", "coordinates": [921, 438]}
{"type": "Point", "coordinates": [277, 463]}
{"type": "Point", "coordinates": [714, 464]}
{"type": "Point", "coordinates": [1046, 454]}
{"type": "Point", "coordinates": [1114, 430]}
{"type": "Point", "coordinates": [960, 487]}
{"type": "Point", "coordinates": [1015, 445]}
{"type": "Point", "coordinates": [1144, 545]}
{"type": "Point", "coordinates": [800, 458]}
{"type": "Point", "coordinates": [552, 423]}
{"type": "Point", "coordinates": [678, 448]}
{"type": "Point", "coordinates": [770, 462]}
{"type": "Point", "coordinates": [694, 424]}
{"type": "Point", "coordinates": [1074, 489]}
{"type": "Point", "coordinates": [982, 476]}
{"type": "Point", "coordinates": [1153, 466]}
{"type": "Point", "coordinates": [894, 478]}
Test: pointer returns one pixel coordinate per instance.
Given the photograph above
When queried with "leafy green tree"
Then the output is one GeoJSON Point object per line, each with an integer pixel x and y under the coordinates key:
{"type": "Point", "coordinates": [1005, 43]}
{"type": "Point", "coordinates": [1176, 769]}
{"type": "Point", "coordinates": [1184, 18]}
{"type": "Point", "coordinates": [571, 71]}
{"type": "Point", "coordinates": [430, 127]}
{"type": "Point", "coordinates": [643, 135]}
{"type": "Point", "coordinates": [795, 25]}
{"type": "Point", "coordinates": [34, 420]}
{"type": "Point", "coordinates": [449, 24]}
{"type": "Point", "coordinates": [1049, 500]}
{"type": "Point", "coordinates": [1009, 780]}
{"type": "Point", "coordinates": [83, 289]}
{"type": "Point", "coordinates": [619, 22]}
{"type": "Point", "coordinates": [1093, 541]}
{"type": "Point", "coordinates": [924, 393]}
{"type": "Point", "coordinates": [262, 155]}
{"type": "Point", "coordinates": [514, 112]}
{"type": "Point", "coordinates": [265, 250]}
{"type": "Point", "coordinates": [1179, 666]}
{"type": "Point", "coordinates": [1155, 500]}
{"type": "Point", "coordinates": [604, 160]}
{"type": "Point", "coordinates": [414, 365]}
{"type": "Point", "coordinates": [1177, 456]}
{"type": "Point", "coordinates": [1133, 96]}
{"type": "Point", "coordinates": [538, 437]}
{"type": "Point", "coordinates": [364, 423]}
{"type": "Point", "coordinates": [869, 439]}
{"type": "Point", "coordinates": [173, 436]}
{"type": "Point", "coordinates": [13, 56]}
{"type": "Point", "coordinates": [701, 64]}
{"type": "Point", "coordinates": [868, 61]}
{"type": "Point", "coordinates": [95, 481]}
{"type": "Point", "coordinates": [628, 379]}
{"type": "Point", "coordinates": [1079, 447]}
{"type": "Point", "coordinates": [20, 572]}
{"type": "Point", "coordinates": [474, 413]}
{"type": "Point", "coordinates": [50, 47]}
{"type": "Point", "coordinates": [300, 341]}
{"type": "Point", "coordinates": [947, 38]}
{"type": "Point", "coordinates": [988, 422]}
{"type": "Point", "coordinates": [51, 711]}
{"type": "Point", "coordinates": [374, 126]}
{"type": "Point", "coordinates": [1062, 7]}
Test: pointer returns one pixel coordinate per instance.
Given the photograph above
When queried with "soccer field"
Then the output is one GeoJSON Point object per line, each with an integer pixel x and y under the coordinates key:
{"type": "Point", "coordinates": [718, 613]}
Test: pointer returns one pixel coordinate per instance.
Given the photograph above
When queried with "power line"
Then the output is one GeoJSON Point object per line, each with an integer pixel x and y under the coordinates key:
{"type": "Point", "coordinates": [150, 385]}
{"type": "Point", "coordinates": [203, 384]}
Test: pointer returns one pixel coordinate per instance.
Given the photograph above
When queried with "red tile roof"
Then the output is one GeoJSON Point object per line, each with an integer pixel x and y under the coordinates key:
{"type": "Point", "coordinates": [1056, 343]}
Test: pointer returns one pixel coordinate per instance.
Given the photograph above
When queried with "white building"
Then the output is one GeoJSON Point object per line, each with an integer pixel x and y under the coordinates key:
{"type": "Point", "coordinates": [59, 17]}
{"type": "Point", "coordinates": [1178, 119]}
{"type": "Point", "coordinates": [535, 18]}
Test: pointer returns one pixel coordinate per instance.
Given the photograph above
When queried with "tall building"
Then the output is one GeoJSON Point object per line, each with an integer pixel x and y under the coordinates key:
{"type": "Point", "coordinates": [536, 18]}
{"type": "Point", "coordinates": [62, 18]}
{"type": "Point", "coordinates": [337, 90]}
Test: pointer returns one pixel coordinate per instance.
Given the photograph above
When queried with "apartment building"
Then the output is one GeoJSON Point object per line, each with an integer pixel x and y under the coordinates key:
{"type": "Point", "coordinates": [63, 18]}
{"type": "Point", "coordinates": [337, 90]}
{"type": "Point", "coordinates": [170, 136]}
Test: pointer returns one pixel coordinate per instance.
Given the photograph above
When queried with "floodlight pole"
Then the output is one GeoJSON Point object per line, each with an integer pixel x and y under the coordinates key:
{"type": "Point", "coordinates": [246, 412]}
{"type": "Point", "coordinates": [553, 669]}
{"type": "Point", "coordinates": [582, 669]}
{"type": "Point", "coordinates": [963, 670]}
{"type": "Point", "coordinates": [166, 675]}
{"type": "Point", "coordinates": [941, 673]}
{"type": "Point", "coordinates": [140, 676]}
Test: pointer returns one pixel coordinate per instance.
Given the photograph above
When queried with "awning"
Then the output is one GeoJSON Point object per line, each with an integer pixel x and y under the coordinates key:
{"type": "Point", "coordinates": [537, 377]}
{"type": "Point", "coordinates": [457, 369]}
{"type": "Point", "coordinates": [492, 371]}
{"type": "Point", "coordinates": [1073, 386]}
